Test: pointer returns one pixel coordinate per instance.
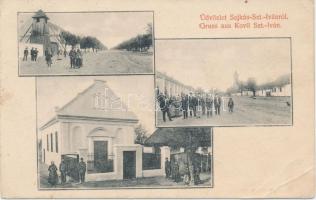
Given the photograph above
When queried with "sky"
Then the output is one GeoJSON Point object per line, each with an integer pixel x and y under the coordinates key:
{"type": "Point", "coordinates": [111, 28]}
{"type": "Point", "coordinates": [57, 91]}
{"type": "Point", "coordinates": [211, 63]}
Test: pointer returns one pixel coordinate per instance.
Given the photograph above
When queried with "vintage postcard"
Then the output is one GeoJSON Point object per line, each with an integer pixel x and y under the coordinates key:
{"type": "Point", "coordinates": [157, 99]}
{"type": "Point", "coordinates": [232, 82]}
{"type": "Point", "coordinates": [85, 43]}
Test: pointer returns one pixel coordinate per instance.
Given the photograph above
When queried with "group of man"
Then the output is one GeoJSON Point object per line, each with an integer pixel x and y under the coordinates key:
{"type": "Point", "coordinates": [33, 53]}
{"type": "Point", "coordinates": [191, 105]}
{"type": "Point", "coordinates": [75, 58]}
{"type": "Point", "coordinates": [172, 171]}
{"type": "Point", "coordinates": [63, 168]}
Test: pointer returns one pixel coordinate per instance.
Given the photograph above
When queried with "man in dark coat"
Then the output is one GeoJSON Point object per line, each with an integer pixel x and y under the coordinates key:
{"type": "Point", "coordinates": [176, 172]}
{"type": "Point", "coordinates": [167, 168]}
{"type": "Point", "coordinates": [26, 53]}
{"type": "Point", "coordinates": [196, 173]}
{"type": "Point", "coordinates": [63, 171]}
{"type": "Point", "coordinates": [72, 56]}
{"type": "Point", "coordinates": [164, 107]}
{"type": "Point", "coordinates": [192, 104]}
{"type": "Point", "coordinates": [52, 175]}
{"type": "Point", "coordinates": [217, 104]}
{"type": "Point", "coordinates": [209, 106]}
{"type": "Point", "coordinates": [32, 54]}
{"type": "Point", "coordinates": [65, 53]}
{"type": "Point", "coordinates": [78, 58]}
{"type": "Point", "coordinates": [203, 104]}
{"type": "Point", "coordinates": [35, 54]}
{"type": "Point", "coordinates": [184, 106]}
{"type": "Point", "coordinates": [48, 57]}
{"type": "Point", "coordinates": [82, 170]}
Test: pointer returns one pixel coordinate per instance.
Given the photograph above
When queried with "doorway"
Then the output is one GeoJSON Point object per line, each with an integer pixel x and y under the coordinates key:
{"type": "Point", "coordinates": [129, 164]}
{"type": "Point", "coordinates": [100, 153]}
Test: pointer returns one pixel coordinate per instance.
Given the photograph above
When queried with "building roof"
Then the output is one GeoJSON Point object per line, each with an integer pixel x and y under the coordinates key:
{"type": "Point", "coordinates": [40, 14]}
{"type": "Point", "coordinates": [171, 79]}
{"type": "Point", "coordinates": [25, 31]}
{"type": "Point", "coordinates": [278, 82]}
{"type": "Point", "coordinates": [83, 107]}
{"type": "Point", "coordinates": [182, 137]}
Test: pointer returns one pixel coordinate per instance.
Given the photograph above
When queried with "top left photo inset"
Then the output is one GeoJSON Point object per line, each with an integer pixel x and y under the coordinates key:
{"type": "Point", "coordinates": [85, 43]}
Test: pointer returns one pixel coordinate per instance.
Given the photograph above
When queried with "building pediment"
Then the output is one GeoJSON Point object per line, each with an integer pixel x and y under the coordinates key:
{"type": "Point", "coordinates": [97, 101]}
{"type": "Point", "coordinates": [100, 132]}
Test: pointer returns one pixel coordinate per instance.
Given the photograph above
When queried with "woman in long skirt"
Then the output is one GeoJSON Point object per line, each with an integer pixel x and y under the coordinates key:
{"type": "Point", "coordinates": [52, 176]}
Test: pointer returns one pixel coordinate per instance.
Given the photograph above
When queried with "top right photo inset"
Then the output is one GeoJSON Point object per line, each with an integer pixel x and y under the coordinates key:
{"type": "Point", "coordinates": [223, 82]}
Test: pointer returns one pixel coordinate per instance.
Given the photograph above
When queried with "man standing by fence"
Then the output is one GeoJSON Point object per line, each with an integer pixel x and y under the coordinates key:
{"type": "Point", "coordinates": [167, 168]}
{"type": "Point", "coordinates": [82, 170]}
{"type": "Point", "coordinates": [217, 104]}
{"type": "Point", "coordinates": [184, 105]}
{"type": "Point", "coordinates": [63, 171]}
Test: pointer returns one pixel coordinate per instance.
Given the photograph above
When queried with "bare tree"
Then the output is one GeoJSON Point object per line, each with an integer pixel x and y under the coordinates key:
{"type": "Point", "coordinates": [141, 134]}
{"type": "Point", "coordinates": [252, 85]}
{"type": "Point", "coordinates": [241, 87]}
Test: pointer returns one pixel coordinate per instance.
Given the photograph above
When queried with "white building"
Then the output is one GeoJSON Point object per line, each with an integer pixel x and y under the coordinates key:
{"type": "Point", "coordinates": [280, 91]}
{"type": "Point", "coordinates": [96, 126]}
{"type": "Point", "coordinates": [170, 86]}
{"type": "Point", "coordinates": [275, 91]}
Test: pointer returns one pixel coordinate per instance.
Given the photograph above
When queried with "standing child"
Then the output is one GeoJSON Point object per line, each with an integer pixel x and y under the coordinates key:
{"type": "Point", "coordinates": [231, 105]}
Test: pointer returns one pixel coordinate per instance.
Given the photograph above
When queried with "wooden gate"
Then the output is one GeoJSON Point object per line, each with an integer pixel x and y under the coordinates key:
{"type": "Point", "coordinates": [72, 162]}
{"type": "Point", "coordinates": [129, 164]}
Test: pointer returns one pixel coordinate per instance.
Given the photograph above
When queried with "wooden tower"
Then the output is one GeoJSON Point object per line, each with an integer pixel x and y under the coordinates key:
{"type": "Point", "coordinates": [40, 30]}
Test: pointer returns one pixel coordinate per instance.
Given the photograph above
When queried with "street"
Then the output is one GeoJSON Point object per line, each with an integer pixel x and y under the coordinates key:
{"type": "Point", "coordinates": [158, 181]}
{"type": "Point", "coordinates": [247, 111]}
{"type": "Point", "coordinates": [102, 62]}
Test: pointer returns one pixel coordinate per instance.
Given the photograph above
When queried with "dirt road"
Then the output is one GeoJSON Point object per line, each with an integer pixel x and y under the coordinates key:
{"type": "Point", "coordinates": [102, 62]}
{"type": "Point", "coordinates": [247, 111]}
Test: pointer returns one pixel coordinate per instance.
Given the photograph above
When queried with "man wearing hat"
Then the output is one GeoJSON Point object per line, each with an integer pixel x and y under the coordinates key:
{"type": "Point", "coordinates": [26, 53]}
{"type": "Point", "coordinates": [82, 170]}
{"type": "Point", "coordinates": [164, 107]}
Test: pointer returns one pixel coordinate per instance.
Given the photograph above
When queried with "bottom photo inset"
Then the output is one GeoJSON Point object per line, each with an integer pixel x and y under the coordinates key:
{"type": "Point", "coordinates": [100, 134]}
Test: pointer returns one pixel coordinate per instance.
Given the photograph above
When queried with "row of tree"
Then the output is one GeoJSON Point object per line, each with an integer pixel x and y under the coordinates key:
{"type": "Point", "coordinates": [251, 85]}
{"type": "Point", "coordinates": [85, 42]}
{"type": "Point", "coordinates": [141, 42]}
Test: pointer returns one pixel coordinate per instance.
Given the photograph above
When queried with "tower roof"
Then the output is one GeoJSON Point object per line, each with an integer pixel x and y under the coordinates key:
{"type": "Point", "coordinates": [40, 14]}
